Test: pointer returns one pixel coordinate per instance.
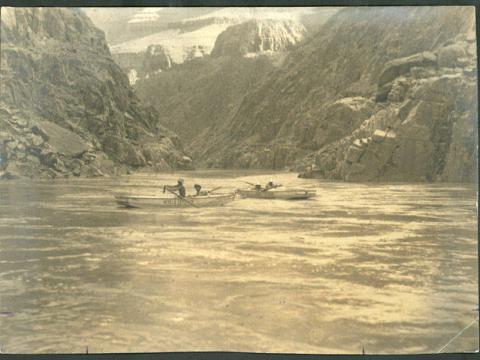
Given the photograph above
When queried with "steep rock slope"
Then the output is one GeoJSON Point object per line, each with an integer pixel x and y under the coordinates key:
{"type": "Point", "coordinates": [425, 130]}
{"type": "Point", "coordinates": [366, 63]}
{"type": "Point", "coordinates": [197, 97]}
{"type": "Point", "coordinates": [257, 36]}
{"type": "Point", "coordinates": [201, 93]}
{"type": "Point", "coordinates": [66, 108]}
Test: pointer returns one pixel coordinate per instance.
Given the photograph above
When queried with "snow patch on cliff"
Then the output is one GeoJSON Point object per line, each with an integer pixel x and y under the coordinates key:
{"type": "Point", "coordinates": [180, 45]}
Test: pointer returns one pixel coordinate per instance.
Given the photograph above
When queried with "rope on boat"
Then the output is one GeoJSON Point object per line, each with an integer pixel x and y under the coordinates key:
{"type": "Point", "coordinates": [457, 335]}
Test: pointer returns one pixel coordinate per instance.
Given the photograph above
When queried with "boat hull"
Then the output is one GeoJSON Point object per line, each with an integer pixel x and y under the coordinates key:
{"type": "Point", "coordinates": [294, 194]}
{"type": "Point", "coordinates": [130, 201]}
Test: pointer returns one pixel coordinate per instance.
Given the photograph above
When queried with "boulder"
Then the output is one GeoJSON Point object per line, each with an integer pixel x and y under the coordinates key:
{"type": "Point", "coordinates": [32, 159]}
{"type": "Point", "coordinates": [48, 173]}
{"type": "Point", "coordinates": [402, 66]}
{"type": "Point", "coordinates": [75, 166]}
{"type": "Point", "coordinates": [36, 140]}
{"type": "Point", "coordinates": [20, 122]}
{"type": "Point", "coordinates": [11, 145]}
{"type": "Point", "coordinates": [374, 162]}
{"type": "Point", "coordinates": [382, 92]}
{"type": "Point", "coordinates": [340, 118]}
{"type": "Point", "coordinates": [418, 72]}
{"type": "Point", "coordinates": [365, 141]}
{"type": "Point", "coordinates": [398, 90]}
{"type": "Point", "coordinates": [4, 136]}
{"type": "Point", "coordinates": [157, 58]}
{"type": "Point", "coordinates": [88, 156]}
{"type": "Point", "coordinates": [379, 135]}
{"type": "Point", "coordinates": [353, 153]}
{"type": "Point", "coordinates": [37, 130]}
{"type": "Point", "coordinates": [10, 172]}
{"type": "Point", "coordinates": [450, 56]}
{"type": "Point", "coordinates": [91, 171]}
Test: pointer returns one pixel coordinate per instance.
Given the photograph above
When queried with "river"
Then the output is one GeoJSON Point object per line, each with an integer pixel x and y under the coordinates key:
{"type": "Point", "coordinates": [386, 267]}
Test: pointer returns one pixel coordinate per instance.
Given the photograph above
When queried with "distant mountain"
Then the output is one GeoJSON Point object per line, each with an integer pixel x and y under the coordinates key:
{"type": "Point", "coordinates": [378, 94]}
{"type": "Point", "coordinates": [208, 91]}
{"type": "Point", "coordinates": [192, 35]}
{"type": "Point", "coordinates": [123, 24]}
{"type": "Point", "coordinates": [66, 107]}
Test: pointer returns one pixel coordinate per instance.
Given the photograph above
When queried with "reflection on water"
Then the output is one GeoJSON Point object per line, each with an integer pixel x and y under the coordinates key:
{"type": "Point", "coordinates": [391, 268]}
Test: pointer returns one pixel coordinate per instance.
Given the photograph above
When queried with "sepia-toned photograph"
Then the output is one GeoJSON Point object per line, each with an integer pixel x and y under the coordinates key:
{"type": "Point", "coordinates": [296, 180]}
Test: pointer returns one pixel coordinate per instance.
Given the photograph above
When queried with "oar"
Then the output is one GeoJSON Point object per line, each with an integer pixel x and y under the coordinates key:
{"type": "Point", "coordinates": [249, 183]}
{"type": "Point", "coordinates": [214, 189]}
{"type": "Point", "coordinates": [182, 198]}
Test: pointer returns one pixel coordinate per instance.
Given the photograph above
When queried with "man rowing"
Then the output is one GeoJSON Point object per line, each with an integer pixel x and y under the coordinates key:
{"type": "Point", "coordinates": [179, 187]}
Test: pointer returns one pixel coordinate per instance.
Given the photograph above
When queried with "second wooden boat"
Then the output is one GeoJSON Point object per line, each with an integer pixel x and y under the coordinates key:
{"type": "Point", "coordinates": [283, 194]}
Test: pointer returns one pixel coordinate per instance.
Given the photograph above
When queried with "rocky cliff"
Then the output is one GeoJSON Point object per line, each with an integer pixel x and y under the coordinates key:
{"type": "Point", "coordinates": [423, 127]}
{"type": "Point", "coordinates": [197, 97]}
{"type": "Point", "coordinates": [378, 94]}
{"type": "Point", "coordinates": [258, 36]}
{"type": "Point", "coordinates": [195, 35]}
{"type": "Point", "coordinates": [66, 108]}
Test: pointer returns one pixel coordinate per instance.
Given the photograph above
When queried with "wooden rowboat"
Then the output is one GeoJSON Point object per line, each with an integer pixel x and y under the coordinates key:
{"type": "Point", "coordinates": [133, 201]}
{"type": "Point", "coordinates": [284, 194]}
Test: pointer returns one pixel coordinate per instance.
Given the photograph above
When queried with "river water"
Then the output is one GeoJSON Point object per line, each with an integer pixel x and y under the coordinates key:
{"type": "Point", "coordinates": [385, 267]}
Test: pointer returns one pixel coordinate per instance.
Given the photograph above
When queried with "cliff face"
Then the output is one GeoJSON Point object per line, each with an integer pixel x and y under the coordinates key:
{"type": "Point", "coordinates": [66, 108]}
{"type": "Point", "coordinates": [178, 41]}
{"type": "Point", "coordinates": [201, 94]}
{"type": "Point", "coordinates": [194, 33]}
{"type": "Point", "coordinates": [423, 127]}
{"type": "Point", "coordinates": [257, 36]}
{"type": "Point", "coordinates": [196, 98]}
{"type": "Point", "coordinates": [378, 94]}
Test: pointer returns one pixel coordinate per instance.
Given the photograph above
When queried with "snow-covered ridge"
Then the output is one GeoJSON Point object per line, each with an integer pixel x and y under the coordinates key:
{"type": "Point", "coordinates": [145, 15]}
{"type": "Point", "coordinates": [178, 43]}
{"type": "Point", "coordinates": [240, 14]}
{"type": "Point", "coordinates": [185, 33]}
{"type": "Point", "coordinates": [247, 32]}
{"type": "Point", "coordinates": [236, 14]}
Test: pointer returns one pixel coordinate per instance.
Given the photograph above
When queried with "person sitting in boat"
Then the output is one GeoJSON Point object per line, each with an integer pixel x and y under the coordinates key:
{"type": "Point", "coordinates": [198, 189]}
{"type": "Point", "coordinates": [271, 185]}
{"type": "Point", "coordinates": [179, 187]}
{"type": "Point", "coordinates": [258, 187]}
